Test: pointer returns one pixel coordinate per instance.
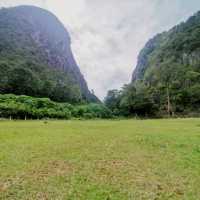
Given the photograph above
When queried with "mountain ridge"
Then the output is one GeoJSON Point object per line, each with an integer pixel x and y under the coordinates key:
{"type": "Point", "coordinates": [166, 81]}
{"type": "Point", "coordinates": [33, 35]}
{"type": "Point", "coordinates": [168, 68]}
{"type": "Point", "coordinates": [158, 42]}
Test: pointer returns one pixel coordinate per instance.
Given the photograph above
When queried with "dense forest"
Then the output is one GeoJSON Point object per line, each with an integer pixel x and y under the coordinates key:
{"type": "Point", "coordinates": [166, 81]}
{"type": "Point", "coordinates": [36, 57]}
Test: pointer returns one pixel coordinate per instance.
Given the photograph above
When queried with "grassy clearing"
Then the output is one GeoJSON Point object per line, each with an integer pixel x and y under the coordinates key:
{"type": "Point", "coordinates": [100, 160]}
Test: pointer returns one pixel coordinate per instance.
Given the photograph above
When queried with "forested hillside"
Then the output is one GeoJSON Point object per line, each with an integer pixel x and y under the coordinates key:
{"type": "Point", "coordinates": [36, 57]}
{"type": "Point", "coordinates": [166, 80]}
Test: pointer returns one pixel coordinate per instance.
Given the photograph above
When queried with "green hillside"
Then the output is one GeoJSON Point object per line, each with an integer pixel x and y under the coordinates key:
{"type": "Point", "coordinates": [166, 80]}
{"type": "Point", "coordinates": [36, 57]}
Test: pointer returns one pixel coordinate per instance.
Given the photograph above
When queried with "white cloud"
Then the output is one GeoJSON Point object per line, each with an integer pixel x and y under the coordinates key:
{"type": "Point", "coordinates": [107, 35]}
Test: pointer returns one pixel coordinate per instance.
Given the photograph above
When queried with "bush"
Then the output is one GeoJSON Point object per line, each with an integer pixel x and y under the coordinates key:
{"type": "Point", "coordinates": [21, 107]}
{"type": "Point", "coordinates": [26, 107]}
{"type": "Point", "coordinates": [92, 111]}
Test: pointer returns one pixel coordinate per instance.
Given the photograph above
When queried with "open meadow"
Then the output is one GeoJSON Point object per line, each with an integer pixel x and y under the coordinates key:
{"type": "Point", "coordinates": [100, 160]}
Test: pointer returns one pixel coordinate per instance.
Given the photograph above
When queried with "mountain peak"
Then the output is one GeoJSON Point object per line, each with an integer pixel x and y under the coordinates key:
{"type": "Point", "coordinates": [38, 42]}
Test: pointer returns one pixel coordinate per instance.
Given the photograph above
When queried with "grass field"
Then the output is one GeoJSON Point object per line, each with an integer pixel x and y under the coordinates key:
{"type": "Point", "coordinates": [100, 160]}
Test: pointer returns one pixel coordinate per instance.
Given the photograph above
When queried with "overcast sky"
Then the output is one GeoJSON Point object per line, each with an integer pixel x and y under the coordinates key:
{"type": "Point", "coordinates": [107, 35]}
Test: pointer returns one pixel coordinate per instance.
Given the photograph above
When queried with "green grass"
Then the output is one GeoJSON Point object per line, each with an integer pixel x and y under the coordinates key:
{"type": "Point", "coordinates": [100, 160]}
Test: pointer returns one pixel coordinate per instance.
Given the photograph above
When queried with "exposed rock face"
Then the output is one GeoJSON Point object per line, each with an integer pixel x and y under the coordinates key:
{"type": "Point", "coordinates": [36, 34]}
{"type": "Point", "coordinates": [143, 58]}
{"type": "Point", "coordinates": [180, 46]}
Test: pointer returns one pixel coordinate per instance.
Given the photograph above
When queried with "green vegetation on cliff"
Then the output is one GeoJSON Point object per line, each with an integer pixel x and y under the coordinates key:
{"type": "Point", "coordinates": [166, 80]}
{"type": "Point", "coordinates": [36, 57]}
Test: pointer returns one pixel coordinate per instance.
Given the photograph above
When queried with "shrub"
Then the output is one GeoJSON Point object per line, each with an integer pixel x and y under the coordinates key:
{"type": "Point", "coordinates": [26, 107]}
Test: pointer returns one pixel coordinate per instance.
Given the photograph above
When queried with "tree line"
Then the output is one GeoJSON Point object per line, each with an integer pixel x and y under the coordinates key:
{"type": "Point", "coordinates": [26, 107]}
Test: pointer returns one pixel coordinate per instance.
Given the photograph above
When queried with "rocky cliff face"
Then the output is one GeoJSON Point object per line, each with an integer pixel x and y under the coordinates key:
{"type": "Point", "coordinates": [143, 57]}
{"type": "Point", "coordinates": [167, 75]}
{"type": "Point", "coordinates": [179, 48]}
{"type": "Point", "coordinates": [35, 37]}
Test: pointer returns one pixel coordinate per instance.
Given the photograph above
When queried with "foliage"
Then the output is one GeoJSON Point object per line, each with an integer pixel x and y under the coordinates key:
{"type": "Point", "coordinates": [26, 107]}
{"type": "Point", "coordinates": [132, 101]}
{"type": "Point", "coordinates": [92, 111]}
{"type": "Point", "coordinates": [112, 101]}
{"type": "Point", "coordinates": [166, 80]}
{"type": "Point", "coordinates": [32, 62]}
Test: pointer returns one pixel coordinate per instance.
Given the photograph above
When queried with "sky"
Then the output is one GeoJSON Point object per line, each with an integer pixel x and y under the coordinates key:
{"type": "Point", "coordinates": [107, 35]}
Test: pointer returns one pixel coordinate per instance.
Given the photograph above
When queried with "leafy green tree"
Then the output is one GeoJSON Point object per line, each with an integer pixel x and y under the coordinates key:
{"type": "Point", "coordinates": [112, 101]}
